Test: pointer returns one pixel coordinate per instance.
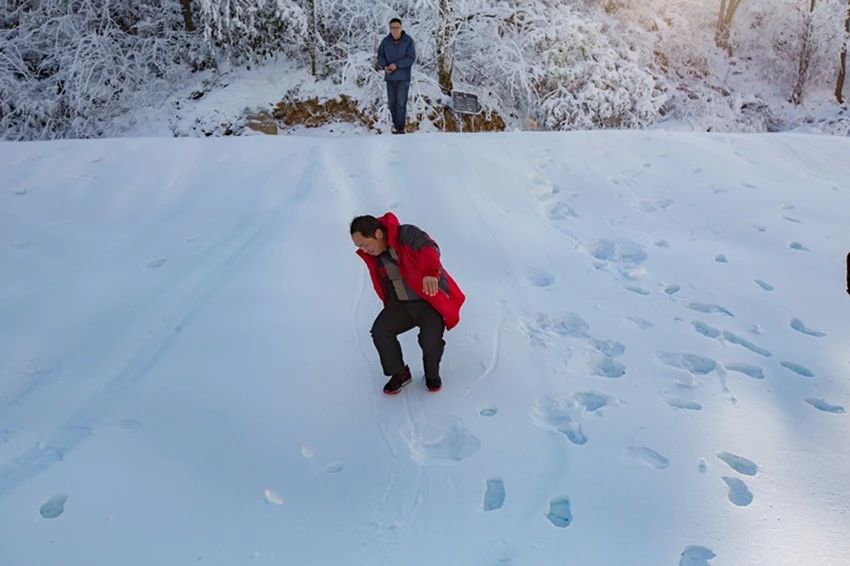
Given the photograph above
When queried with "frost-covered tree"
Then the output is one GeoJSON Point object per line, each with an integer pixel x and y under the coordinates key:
{"type": "Point", "coordinates": [805, 55]}
{"type": "Point", "coordinates": [68, 66]}
{"type": "Point", "coordinates": [445, 36]}
{"type": "Point", "coordinates": [725, 16]}
{"type": "Point", "coordinates": [565, 68]}
{"type": "Point", "coordinates": [842, 58]}
{"type": "Point", "coordinates": [186, 5]}
{"type": "Point", "coordinates": [255, 29]}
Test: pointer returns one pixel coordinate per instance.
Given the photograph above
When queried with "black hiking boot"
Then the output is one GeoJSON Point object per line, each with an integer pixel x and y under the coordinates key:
{"type": "Point", "coordinates": [433, 384]}
{"type": "Point", "coordinates": [397, 381]}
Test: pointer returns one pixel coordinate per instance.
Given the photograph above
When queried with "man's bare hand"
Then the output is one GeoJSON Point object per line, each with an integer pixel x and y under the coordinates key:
{"type": "Point", "coordinates": [391, 67]}
{"type": "Point", "coordinates": [430, 285]}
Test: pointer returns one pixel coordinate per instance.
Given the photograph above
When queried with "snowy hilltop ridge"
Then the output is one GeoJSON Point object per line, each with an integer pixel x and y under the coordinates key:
{"type": "Point", "coordinates": [650, 367]}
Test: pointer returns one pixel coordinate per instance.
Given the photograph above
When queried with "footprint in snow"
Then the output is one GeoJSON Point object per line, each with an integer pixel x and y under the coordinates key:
{"type": "Point", "coordinates": [705, 329]}
{"type": "Point", "coordinates": [540, 277]}
{"type": "Point", "coordinates": [488, 411]}
{"type": "Point", "coordinates": [54, 506]}
{"type": "Point", "coordinates": [765, 286]}
{"type": "Point", "coordinates": [711, 332]}
{"type": "Point", "coordinates": [800, 370]}
{"type": "Point", "coordinates": [334, 468]}
{"type": "Point", "coordinates": [739, 493]}
{"type": "Point", "coordinates": [610, 348]}
{"type": "Point", "coordinates": [636, 289]}
{"type": "Point", "coordinates": [494, 494]}
{"type": "Point", "coordinates": [157, 263]}
{"type": "Point", "coordinates": [559, 210]}
{"type": "Point", "coordinates": [562, 324]}
{"type": "Point", "coordinates": [797, 246]}
{"type": "Point", "coordinates": [696, 555]}
{"type": "Point", "coordinates": [560, 514]}
{"type": "Point", "coordinates": [684, 405]}
{"type": "Point", "coordinates": [798, 325]}
{"type": "Point", "coordinates": [624, 255]}
{"type": "Point", "coordinates": [749, 370]}
{"type": "Point", "coordinates": [440, 440]}
{"type": "Point", "coordinates": [720, 258]}
{"type": "Point", "coordinates": [647, 457]}
{"type": "Point", "coordinates": [542, 187]}
{"type": "Point", "coordinates": [554, 415]}
{"type": "Point", "coordinates": [822, 405]}
{"type": "Point", "coordinates": [708, 308]}
{"type": "Point", "coordinates": [733, 338]}
{"type": "Point", "coordinates": [692, 363]}
{"type": "Point", "coordinates": [739, 463]}
{"type": "Point", "coordinates": [608, 367]}
{"type": "Point", "coordinates": [592, 402]}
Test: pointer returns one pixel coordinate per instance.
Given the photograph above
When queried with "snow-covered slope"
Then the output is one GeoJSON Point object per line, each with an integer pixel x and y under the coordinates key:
{"type": "Point", "coordinates": [651, 366]}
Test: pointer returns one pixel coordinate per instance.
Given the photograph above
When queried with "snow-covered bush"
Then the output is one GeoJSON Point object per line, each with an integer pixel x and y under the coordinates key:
{"type": "Point", "coordinates": [67, 67]}
{"type": "Point", "coordinates": [560, 66]}
{"type": "Point", "coordinates": [256, 29]}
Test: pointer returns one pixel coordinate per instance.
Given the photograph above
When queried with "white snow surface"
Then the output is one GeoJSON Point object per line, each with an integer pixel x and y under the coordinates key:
{"type": "Point", "coordinates": [651, 366]}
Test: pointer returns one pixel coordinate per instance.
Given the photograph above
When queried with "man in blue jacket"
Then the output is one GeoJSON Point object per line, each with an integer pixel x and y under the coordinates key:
{"type": "Point", "coordinates": [396, 56]}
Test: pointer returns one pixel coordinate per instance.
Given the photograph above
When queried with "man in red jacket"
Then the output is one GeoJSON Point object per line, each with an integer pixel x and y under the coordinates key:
{"type": "Point", "coordinates": [404, 263]}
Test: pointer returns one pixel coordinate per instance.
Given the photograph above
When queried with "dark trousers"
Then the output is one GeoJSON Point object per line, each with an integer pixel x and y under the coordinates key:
{"type": "Point", "coordinates": [399, 317]}
{"type": "Point", "coordinates": [397, 101]}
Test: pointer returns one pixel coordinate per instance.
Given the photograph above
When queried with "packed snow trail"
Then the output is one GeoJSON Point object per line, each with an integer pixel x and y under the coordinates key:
{"type": "Point", "coordinates": [652, 352]}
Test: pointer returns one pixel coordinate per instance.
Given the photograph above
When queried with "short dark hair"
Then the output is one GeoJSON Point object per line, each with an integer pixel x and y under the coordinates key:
{"type": "Point", "coordinates": [395, 21]}
{"type": "Point", "coordinates": [366, 225]}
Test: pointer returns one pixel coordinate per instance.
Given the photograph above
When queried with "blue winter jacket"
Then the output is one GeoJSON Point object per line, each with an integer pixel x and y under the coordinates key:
{"type": "Point", "coordinates": [401, 52]}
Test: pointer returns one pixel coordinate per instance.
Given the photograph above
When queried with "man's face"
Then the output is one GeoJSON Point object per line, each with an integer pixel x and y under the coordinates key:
{"type": "Point", "coordinates": [372, 246]}
{"type": "Point", "coordinates": [395, 30]}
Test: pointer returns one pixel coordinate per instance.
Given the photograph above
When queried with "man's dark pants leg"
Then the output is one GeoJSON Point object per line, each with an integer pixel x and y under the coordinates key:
{"type": "Point", "coordinates": [399, 317]}
{"type": "Point", "coordinates": [397, 101]}
{"type": "Point", "coordinates": [392, 95]}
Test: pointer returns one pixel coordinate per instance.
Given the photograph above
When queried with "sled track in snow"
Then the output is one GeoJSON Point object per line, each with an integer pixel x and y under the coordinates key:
{"type": "Point", "coordinates": [75, 430]}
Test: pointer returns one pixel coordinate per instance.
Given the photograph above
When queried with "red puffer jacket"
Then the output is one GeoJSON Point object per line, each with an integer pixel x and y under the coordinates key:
{"type": "Point", "coordinates": [418, 257]}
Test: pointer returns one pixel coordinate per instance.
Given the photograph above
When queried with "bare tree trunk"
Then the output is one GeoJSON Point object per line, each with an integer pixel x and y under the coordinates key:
{"type": "Point", "coordinates": [805, 57]}
{"type": "Point", "coordinates": [312, 36]}
{"type": "Point", "coordinates": [724, 23]}
{"type": "Point", "coordinates": [447, 27]}
{"type": "Point", "coordinates": [842, 62]}
{"type": "Point", "coordinates": [187, 15]}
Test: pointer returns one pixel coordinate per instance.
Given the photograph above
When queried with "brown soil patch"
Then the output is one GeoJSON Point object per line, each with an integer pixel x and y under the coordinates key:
{"type": "Point", "coordinates": [448, 121]}
{"type": "Point", "coordinates": [313, 113]}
